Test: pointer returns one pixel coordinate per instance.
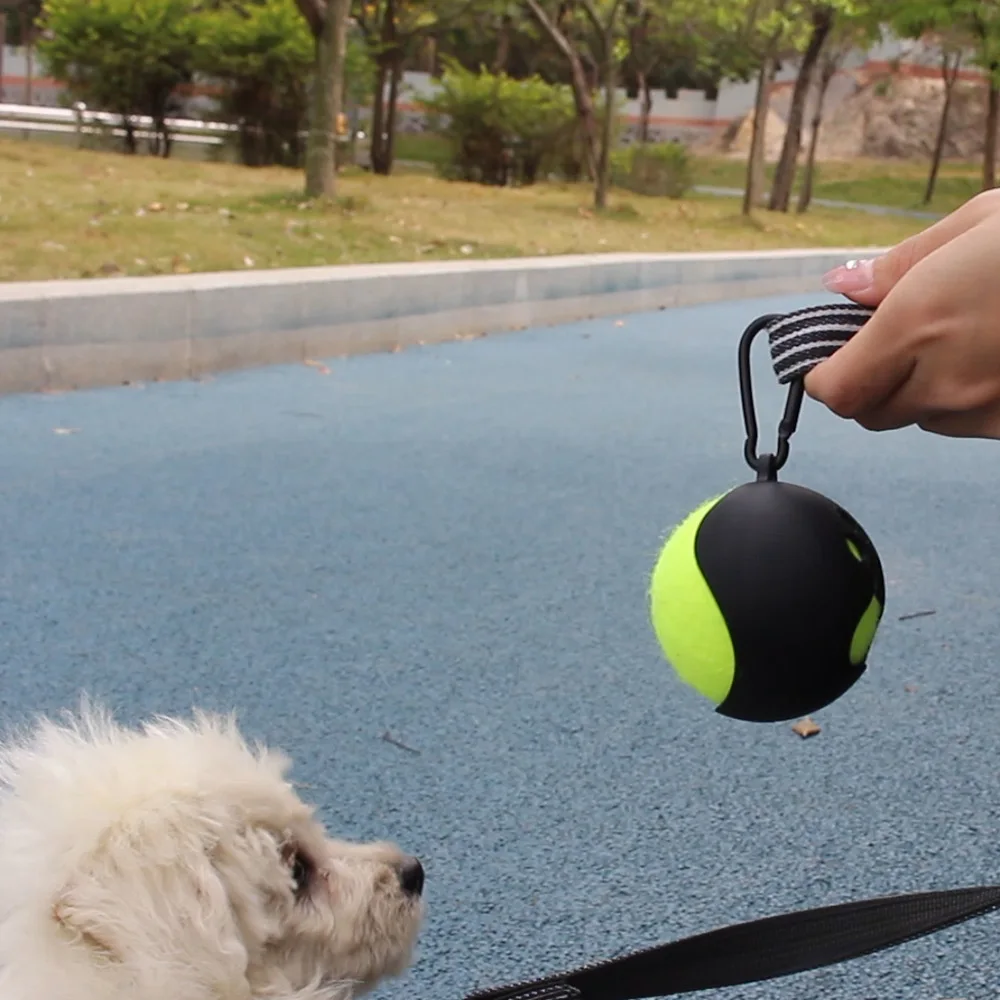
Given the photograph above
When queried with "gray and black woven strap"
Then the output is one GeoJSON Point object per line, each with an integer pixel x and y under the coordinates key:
{"type": "Point", "coordinates": [802, 339]}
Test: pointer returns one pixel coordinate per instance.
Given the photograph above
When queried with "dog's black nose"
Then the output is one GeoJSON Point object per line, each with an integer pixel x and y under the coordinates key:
{"type": "Point", "coordinates": [411, 877]}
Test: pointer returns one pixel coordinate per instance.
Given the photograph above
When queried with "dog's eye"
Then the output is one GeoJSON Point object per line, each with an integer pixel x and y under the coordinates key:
{"type": "Point", "coordinates": [301, 871]}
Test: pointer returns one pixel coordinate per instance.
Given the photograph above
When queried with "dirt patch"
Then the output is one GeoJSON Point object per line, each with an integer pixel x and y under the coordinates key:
{"type": "Point", "coordinates": [887, 118]}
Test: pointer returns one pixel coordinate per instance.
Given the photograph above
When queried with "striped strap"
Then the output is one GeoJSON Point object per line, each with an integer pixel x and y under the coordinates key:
{"type": "Point", "coordinates": [801, 340]}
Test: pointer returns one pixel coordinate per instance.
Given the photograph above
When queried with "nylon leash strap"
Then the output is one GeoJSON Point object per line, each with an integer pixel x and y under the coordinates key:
{"type": "Point", "coordinates": [790, 943]}
{"type": "Point", "coordinates": [761, 949]}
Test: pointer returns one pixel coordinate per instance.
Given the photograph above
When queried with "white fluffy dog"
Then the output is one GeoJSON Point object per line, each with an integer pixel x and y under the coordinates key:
{"type": "Point", "coordinates": [175, 862]}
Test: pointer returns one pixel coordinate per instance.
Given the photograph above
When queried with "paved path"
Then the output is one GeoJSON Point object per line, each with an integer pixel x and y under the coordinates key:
{"type": "Point", "coordinates": [452, 544]}
{"type": "Point", "coordinates": [857, 206]}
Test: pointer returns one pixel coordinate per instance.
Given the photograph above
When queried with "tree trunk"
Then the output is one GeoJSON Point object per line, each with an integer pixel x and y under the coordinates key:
{"type": "Point", "coordinates": [784, 175]}
{"type": "Point", "coordinates": [581, 88]}
{"type": "Point", "coordinates": [585, 113]}
{"type": "Point", "coordinates": [949, 75]}
{"type": "Point", "coordinates": [503, 46]}
{"type": "Point", "coordinates": [607, 130]}
{"type": "Point", "coordinates": [755, 161]}
{"type": "Point", "coordinates": [129, 129]}
{"type": "Point", "coordinates": [387, 146]}
{"type": "Point", "coordinates": [805, 192]}
{"type": "Point", "coordinates": [325, 102]}
{"type": "Point", "coordinates": [383, 113]}
{"type": "Point", "coordinates": [3, 42]}
{"type": "Point", "coordinates": [378, 112]}
{"type": "Point", "coordinates": [990, 151]}
{"type": "Point", "coordinates": [645, 106]}
{"type": "Point", "coordinates": [29, 60]}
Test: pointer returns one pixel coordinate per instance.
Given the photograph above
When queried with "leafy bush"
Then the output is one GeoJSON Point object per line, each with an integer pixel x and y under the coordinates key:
{"type": "Point", "coordinates": [500, 129]}
{"type": "Point", "coordinates": [262, 55]}
{"type": "Point", "coordinates": [121, 56]}
{"type": "Point", "coordinates": [663, 169]}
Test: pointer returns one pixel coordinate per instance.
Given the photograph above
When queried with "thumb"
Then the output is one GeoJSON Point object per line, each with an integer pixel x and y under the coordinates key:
{"type": "Point", "coordinates": [869, 281]}
{"type": "Point", "coordinates": [869, 369]}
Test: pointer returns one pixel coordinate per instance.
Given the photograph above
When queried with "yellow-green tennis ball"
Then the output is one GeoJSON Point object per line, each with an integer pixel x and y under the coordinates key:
{"type": "Point", "coordinates": [766, 600]}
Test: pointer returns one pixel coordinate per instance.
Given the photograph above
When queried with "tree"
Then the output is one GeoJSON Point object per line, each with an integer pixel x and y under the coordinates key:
{"type": "Point", "coordinates": [393, 30]}
{"type": "Point", "coordinates": [952, 50]}
{"type": "Point", "coordinates": [561, 37]}
{"type": "Point", "coordinates": [19, 19]}
{"type": "Point", "coordinates": [773, 27]}
{"type": "Point", "coordinates": [611, 50]}
{"type": "Point", "coordinates": [821, 22]}
{"type": "Point", "coordinates": [971, 23]}
{"type": "Point", "coordinates": [983, 19]}
{"type": "Point", "coordinates": [126, 57]}
{"type": "Point", "coordinates": [327, 20]}
{"type": "Point", "coordinates": [671, 44]}
{"type": "Point", "coordinates": [932, 23]}
{"type": "Point", "coordinates": [262, 52]}
{"type": "Point", "coordinates": [847, 35]}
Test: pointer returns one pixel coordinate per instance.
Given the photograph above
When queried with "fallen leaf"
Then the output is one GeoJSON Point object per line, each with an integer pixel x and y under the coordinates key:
{"type": "Point", "coordinates": [65, 430]}
{"type": "Point", "coordinates": [319, 366]}
{"type": "Point", "coordinates": [465, 249]}
{"type": "Point", "coordinates": [248, 262]}
{"type": "Point", "coordinates": [806, 728]}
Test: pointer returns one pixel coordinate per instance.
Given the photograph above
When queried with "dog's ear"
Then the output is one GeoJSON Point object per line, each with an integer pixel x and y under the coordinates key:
{"type": "Point", "coordinates": [151, 904]}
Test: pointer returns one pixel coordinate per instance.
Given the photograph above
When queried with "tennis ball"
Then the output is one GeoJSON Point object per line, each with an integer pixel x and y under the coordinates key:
{"type": "Point", "coordinates": [767, 600]}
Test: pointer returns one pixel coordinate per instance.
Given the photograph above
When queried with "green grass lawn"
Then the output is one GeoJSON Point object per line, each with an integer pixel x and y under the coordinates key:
{"type": "Point", "coordinates": [68, 213]}
{"type": "Point", "coordinates": [892, 183]}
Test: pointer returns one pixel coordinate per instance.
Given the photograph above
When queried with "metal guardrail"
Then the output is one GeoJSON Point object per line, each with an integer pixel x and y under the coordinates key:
{"type": "Point", "coordinates": [82, 121]}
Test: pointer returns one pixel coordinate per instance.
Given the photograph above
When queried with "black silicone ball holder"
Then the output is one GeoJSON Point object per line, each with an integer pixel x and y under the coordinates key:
{"type": "Point", "coordinates": [794, 575]}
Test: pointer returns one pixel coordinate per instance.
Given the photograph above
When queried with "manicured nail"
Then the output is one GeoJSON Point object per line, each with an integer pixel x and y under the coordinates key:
{"type": "Point", "coordinates": [853, 277]}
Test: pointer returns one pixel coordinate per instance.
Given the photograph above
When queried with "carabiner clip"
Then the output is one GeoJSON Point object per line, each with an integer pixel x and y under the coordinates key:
{"type": "Point", "coordinates": [767, 465]}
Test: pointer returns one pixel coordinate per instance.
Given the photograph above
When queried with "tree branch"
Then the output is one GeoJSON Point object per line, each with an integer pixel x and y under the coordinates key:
{"type": "Point", "coordinates": [314, 11]}
{"type": "Point", "coordinates": [591, 11]}
{"type": "Point", "coordinates": [549, 27]}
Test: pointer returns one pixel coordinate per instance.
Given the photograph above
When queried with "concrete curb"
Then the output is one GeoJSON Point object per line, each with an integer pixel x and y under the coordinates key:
{"type": "Point", "coordinates": [78, 334]}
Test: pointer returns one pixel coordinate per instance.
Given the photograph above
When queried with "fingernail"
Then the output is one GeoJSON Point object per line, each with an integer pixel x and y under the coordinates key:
{"type": "Point", "coordinates": [852, 277]}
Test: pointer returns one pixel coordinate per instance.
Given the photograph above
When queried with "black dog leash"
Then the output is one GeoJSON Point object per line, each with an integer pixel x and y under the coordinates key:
{"type": "Point", "coordinates": [794, 942]}
{"type": "Point", "coordinates": [761, 949]}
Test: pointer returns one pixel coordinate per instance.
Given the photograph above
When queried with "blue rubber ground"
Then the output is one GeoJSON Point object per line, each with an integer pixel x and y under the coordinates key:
{"type": "Point", "coordinates": [452, 544]}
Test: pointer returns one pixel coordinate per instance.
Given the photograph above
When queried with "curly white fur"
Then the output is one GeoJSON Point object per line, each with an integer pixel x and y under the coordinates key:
{"type": "Point", "coordinates": [175, 862]}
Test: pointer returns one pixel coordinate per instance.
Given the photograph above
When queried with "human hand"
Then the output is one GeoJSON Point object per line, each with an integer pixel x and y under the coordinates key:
{"type": "Point", "coordinates": [930, 354]}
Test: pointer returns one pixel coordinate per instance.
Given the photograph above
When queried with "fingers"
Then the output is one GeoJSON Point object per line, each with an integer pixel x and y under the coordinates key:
{"type": "Point", "coordinates": [868, 282]}
{"type": "Point", "coordinates": [870, 368]}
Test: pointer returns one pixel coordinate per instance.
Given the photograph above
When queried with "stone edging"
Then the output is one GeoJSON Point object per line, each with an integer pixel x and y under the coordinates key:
{"type": "Point", "coordinates": [78, 334]}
